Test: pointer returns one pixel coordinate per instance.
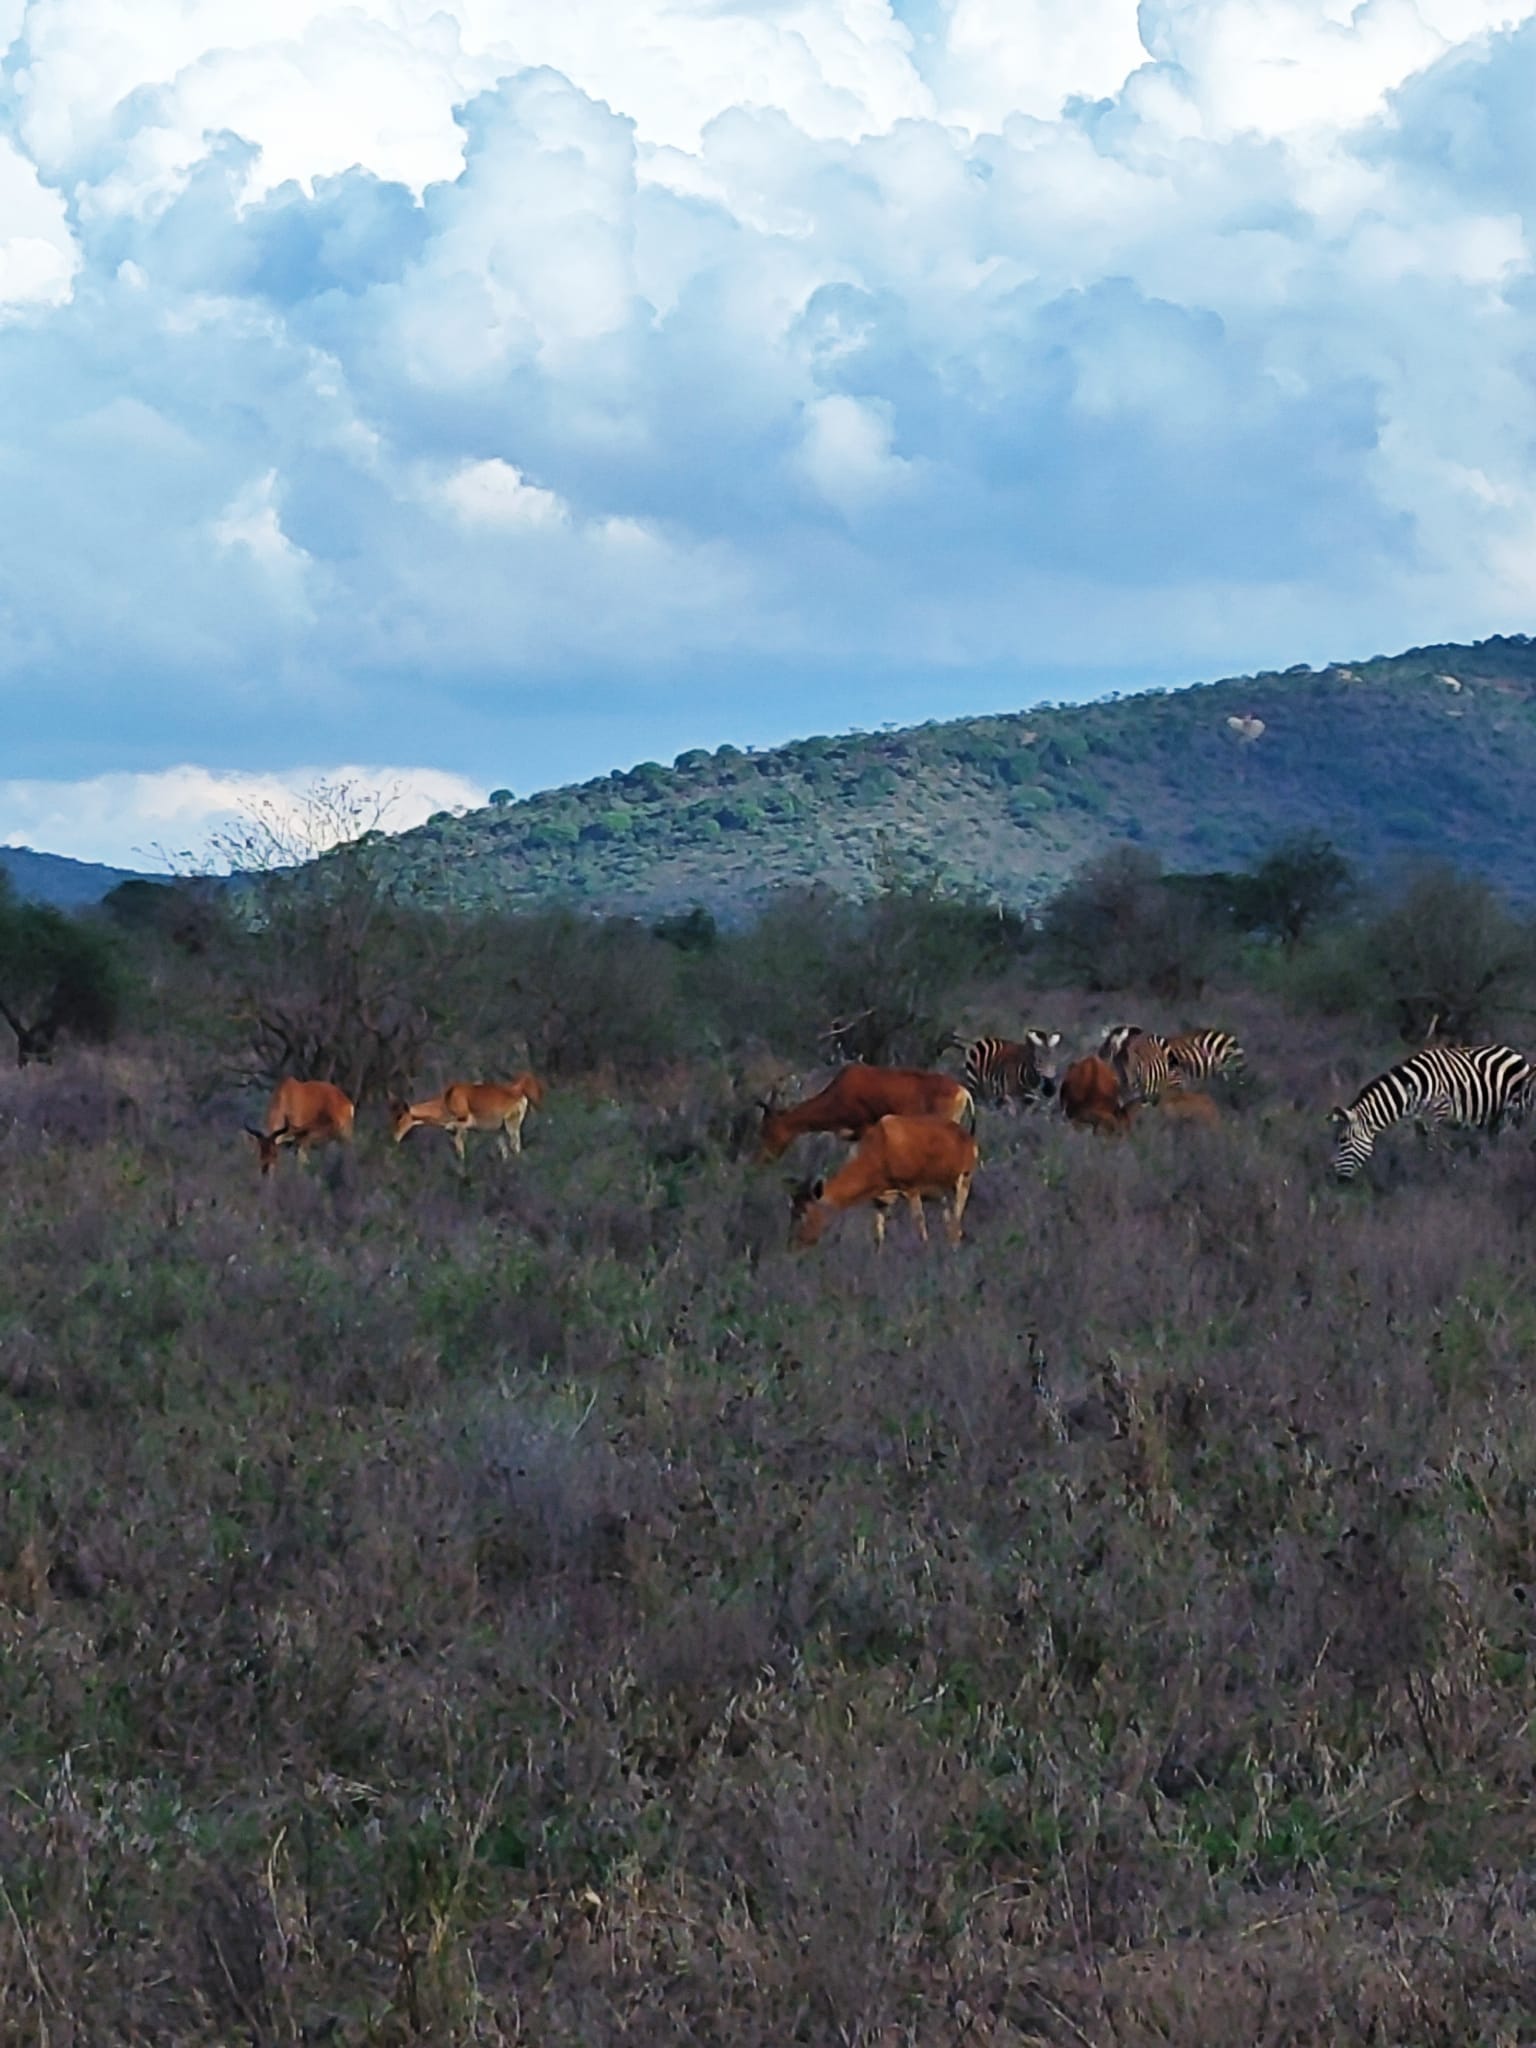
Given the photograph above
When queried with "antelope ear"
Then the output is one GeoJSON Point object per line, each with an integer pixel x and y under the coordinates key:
{"type": "Point", "coordinates": [252, 1132]}
{"type": "Point", "coordinates": [818, 1187]}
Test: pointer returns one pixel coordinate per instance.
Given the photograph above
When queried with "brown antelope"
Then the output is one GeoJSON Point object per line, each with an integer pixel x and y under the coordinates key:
{"type": "Point", "coordinates": [899, 1158]}
{"type": "Point", "coordinates": [303, 1114]}
{"type": "Point", "coordinates": [1090, 1095]}
{"type": "Point", "coordinates": [465, 1106]}
{"type": "Point", "coordinates": [859, 1096]}
{"type": "Point", "coordinates": [1190, 1106]}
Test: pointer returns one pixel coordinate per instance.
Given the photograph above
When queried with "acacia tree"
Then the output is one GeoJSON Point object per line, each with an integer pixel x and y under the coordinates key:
{"type": "Point", "coordinates": [1302, 883]}
{"type": "Point", "coordinates": [1117, 924]}
{"type": "Point", "coordinates": [327, 974]}
{"type": "Point", "coordinates": [58, 978]}
{"type": "Point", "coordinates": [1449, 957]}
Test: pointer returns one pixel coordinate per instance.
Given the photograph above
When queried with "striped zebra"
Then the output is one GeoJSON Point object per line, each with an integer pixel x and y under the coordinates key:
{"type": "Point", "coordinates": [1483, 1086]}
{"type": "Point", "coordinates": [1148, 1063]}
{"type": "Point", "coordinates": [1203, 1055]}
{"type": "Point", "coordinates": [1012, 1069]}
{"type": "Point", "coordinates": [1142, 1061]}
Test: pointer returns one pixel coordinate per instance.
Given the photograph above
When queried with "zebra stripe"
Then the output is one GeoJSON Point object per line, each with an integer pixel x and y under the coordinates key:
{"type": "Point", "coordinates": [1141, 1060]}
{"type": "Point", "coordinates": [1203, 1055]}
{"type": "Point", "coordinates": [1008, 1068]}
{"type": "Point", "coordinates": [1482, 1086]}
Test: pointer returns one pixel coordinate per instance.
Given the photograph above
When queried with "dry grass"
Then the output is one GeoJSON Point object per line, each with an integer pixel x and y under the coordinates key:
{"type": "Point", "coordinates": [542, 1608]}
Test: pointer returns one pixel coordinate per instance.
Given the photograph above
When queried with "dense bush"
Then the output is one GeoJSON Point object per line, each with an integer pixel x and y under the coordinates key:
{"type": "Point", "coordinates": [1304, 883]}
{"type": "Point", "coordinates": [1117, 925]}
{"type": "Point", "coordinates": [1449, 957]}
{"type": "Point", "coordinates": [877, 980]}
{"type": "Point", "coordinates": [60, 977]}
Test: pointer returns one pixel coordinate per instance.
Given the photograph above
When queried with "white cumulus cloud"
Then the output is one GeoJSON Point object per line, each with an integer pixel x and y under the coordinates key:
{"type": "Point", "coordinates": [546, 380]}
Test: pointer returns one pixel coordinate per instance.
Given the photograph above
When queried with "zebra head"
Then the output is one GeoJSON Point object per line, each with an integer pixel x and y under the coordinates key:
{"type": "Point", "coordinates": [1043, 1045]}
{"type": "Point", "coordinates": [1116, 1040]}
{"type": "Point", "coordinates": [1353, 1142]}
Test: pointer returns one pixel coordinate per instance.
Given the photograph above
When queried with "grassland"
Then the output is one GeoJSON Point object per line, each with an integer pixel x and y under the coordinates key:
{"type": "Point", "coordinates": [540, 1607]}
{"type": "Point", "coordinates": [1432, 752]}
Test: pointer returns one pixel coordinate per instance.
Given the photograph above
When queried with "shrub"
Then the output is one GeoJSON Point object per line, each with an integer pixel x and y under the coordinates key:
{"type": "Point", "coordinates": [59, 977]}
{"type": "Point", "coordinates": [690, 931]}
{"type": "Point", "coordinates": [322, 967]}
{"type": "Point", "coordinates": [1118, 925]}
{"type": "Point", "coordinates": [1449, 957]}
{"type": "Point", "coordinates": [879, 980]}
{"type": "Point", "coordinates": [587, 993]}
{"type": "Point", "coordinates": [1300, 885]}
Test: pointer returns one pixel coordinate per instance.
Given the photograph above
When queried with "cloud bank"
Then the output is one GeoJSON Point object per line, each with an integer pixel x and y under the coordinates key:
{"type": "Point", "coordinates": [516, 390]}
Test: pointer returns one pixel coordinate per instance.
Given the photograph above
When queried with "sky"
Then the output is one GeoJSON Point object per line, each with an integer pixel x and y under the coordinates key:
{"type": "Point", "coordinates": [475, 394]}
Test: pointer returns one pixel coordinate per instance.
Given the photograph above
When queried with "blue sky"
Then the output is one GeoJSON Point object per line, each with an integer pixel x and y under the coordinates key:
{"type": "Point", "coordinates": [476, 394]}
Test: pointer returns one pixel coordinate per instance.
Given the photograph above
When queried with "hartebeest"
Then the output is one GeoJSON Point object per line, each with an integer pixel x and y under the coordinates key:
{"type": "Point", "coordinates": [900, 1158]}
{"type": "Point", "coordinates": [303, 1114]}
{"type": "Point", "coordinates": [1090, 1095]}
{"type": "Point", "coordinates": [466, 1106]}
{"type": "Point", "coordinates": [1190, 1106]}
{"type": "Point", "coordinates": [859, 1096]}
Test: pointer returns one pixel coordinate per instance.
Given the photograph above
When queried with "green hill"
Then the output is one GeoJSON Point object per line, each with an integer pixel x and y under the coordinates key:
{"type": "Point", "coordinates": [1428, 752]}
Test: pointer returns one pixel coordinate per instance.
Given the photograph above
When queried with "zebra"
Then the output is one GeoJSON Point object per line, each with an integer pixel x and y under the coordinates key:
{"type": "Point", "coordinates": [1148, 1063]}
{"type": "Point", "coordinates": [1202, 1055]}
{"type": "Point", "coordinates": [1020, 1070]}
{"type": "Point", "coordinates": [1483, 1086]}
{"type": "Point", "coordinates": [1142, 1061]}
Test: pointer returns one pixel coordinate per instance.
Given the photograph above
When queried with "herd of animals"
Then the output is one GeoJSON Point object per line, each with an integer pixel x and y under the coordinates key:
{"type": "Point", "coordinates": [913, 1131]}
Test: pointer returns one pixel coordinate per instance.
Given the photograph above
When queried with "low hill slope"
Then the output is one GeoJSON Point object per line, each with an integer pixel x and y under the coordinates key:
{"type": "Point", "coordinates": [1432, 752]}
{"type": "Point", "coordinates": [55, 878]}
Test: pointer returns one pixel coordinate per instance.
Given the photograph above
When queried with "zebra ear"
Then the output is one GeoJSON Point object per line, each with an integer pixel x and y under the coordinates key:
{"type": "Point", "coordinates": [1338, 1116]}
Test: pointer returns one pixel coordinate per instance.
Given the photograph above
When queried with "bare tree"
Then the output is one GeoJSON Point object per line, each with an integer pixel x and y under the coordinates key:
{"type": "Point", "coordinates": [328, 969]}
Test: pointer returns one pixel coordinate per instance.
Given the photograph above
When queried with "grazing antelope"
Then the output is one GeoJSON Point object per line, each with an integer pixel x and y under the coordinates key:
{"type": "Point", "coordinates": [1090, 1095]}
{"type": "Point", "coordinates": [1190, 1106]}
{"type": "Point", "coordinates": [859, 1096]}
{"type": "Point", "coordinates": [303, 1114]}
{"type": "Point", "coordinates": [899, 1158]}
{"type": "Point", "coordinates": [467, 1106]}
{"type": "Point", "coordinates": [1484, 1086]}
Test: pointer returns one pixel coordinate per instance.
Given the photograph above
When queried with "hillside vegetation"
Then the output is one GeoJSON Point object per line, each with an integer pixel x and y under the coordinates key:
{"type": "Point", "coordinates": [1428, 752]}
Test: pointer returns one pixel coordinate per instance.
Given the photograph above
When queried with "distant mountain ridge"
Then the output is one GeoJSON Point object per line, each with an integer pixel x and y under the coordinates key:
{"type": "Point", "coordinates": [1427, 753]}
{"type": "Point", "coordinates": [67, 884]}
